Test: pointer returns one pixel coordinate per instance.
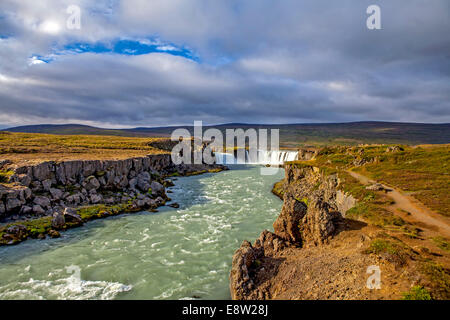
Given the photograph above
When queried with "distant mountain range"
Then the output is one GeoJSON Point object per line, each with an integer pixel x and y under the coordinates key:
{"type": "Point", "coordinates": [291, 135]}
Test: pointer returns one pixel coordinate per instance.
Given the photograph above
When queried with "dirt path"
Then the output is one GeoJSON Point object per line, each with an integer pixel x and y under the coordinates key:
{"type": "Point", "coordinates": [421, 214]}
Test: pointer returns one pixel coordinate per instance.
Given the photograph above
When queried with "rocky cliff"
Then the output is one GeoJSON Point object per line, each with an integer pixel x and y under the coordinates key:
{"type": "Point", "coordinates": [42, 189]}
{"type": "Point", "coordinates": [313, 211]}
{"type": "Point", "coordinates": [338, 231]}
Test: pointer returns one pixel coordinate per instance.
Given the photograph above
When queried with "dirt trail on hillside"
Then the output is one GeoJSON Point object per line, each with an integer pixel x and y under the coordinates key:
{"type": "Point", "coordinates": [429, 218]}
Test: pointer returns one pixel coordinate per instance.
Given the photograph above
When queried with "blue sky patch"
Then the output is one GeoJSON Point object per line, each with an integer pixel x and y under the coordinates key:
{"type": "Point", "coordinates": [123, 47]}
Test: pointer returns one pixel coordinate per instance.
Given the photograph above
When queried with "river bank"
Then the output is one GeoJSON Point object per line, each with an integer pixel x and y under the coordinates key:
{"type": "Point", "coordinates": [46, 198]}
{"type": "Point", "coordinates": [335, 235]}
{"type": "Point", "coordinates": [175, 253]}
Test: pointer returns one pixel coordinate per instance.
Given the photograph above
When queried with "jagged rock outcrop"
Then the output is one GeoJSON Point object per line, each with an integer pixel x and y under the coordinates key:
{"type": "Point", "coordinates": [319, 222]}
{"type": "Point", "coordinates": [313, 208]}
{"type": "Point", "coordinates": [241, 283]}
{"type": "Point", "coordinates": [286, 226]}
{"type": "Point", "coordinates": [247, 262]}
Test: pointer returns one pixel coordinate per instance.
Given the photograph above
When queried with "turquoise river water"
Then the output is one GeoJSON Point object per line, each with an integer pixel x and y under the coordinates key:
{"type": "Point", "coordinates": [180, 253]}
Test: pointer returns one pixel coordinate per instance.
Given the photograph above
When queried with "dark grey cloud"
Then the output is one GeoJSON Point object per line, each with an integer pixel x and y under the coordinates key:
{"type": "Point", "coordinates": [260, 61]}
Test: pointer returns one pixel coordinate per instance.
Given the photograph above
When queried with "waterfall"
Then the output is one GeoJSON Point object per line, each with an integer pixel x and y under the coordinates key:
{"type": "Point", "coordinates": [225, 158]}
{"type": "Point", "coordinates": [263, 157]}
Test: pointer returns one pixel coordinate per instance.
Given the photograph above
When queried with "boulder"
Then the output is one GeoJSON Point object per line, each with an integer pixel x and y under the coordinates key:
{"type": "Point", "coordinates": [143, 185]}
{"type": "Point", "coordinates": [168, 183]}
{"type": "Point", "coordinates": [42, 201]}
{"type": "Point", "coordinates": [120, 182]}
{"type": "Point", "coordinates": [13, 204]}
{"type": "Point", "coordinates": [75, 199]}
{"type": "Point", "coordinates": [144, 176]}
{"type": "Point", "coordinates": [140, 203]}
{"type": "Point", "coordinates": [149, 202]}
{"type": "Point", "coordinates": [41, 236]}
{"type": "Point", "coordinates": [132, 183]}
{"type": "Point", "coordinates": [96, 198]}
{"type": "Point", "coordinates": [26, 210]}
{"type": "Point", "coordinates": [143, 181]}
{"type": "Point", "coordinates": [37, 209]}
{"type": "Point", "coordinates": [15, 233]}
{"type": "Point", "coordinates": [90, 183]}
{"type": "Point", "coordinates": [46, 184]}
{"type": "Point", "coordinates": [56, 193]}
{"type": "Point", "coordinates": [159, 201]}
{"type": "Point", "coordinates": [54, 234]}
{"type": "Point", "coordinates": [71, 216]}
{"type": "Point", "coordinates": [58, 221]}
{"type": "Point", "coordinates": [2, 208]}
{"type": "Point", "coordinates": [157, 189]}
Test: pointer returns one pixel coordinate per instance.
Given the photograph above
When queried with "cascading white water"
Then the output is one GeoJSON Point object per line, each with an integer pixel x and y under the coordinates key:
{"type": "Point", "coordinates": [262, 157]}
{"type": "Point", "coordinates": [274, 157]}
{"type": "Point", "coordinates": [225, 158]}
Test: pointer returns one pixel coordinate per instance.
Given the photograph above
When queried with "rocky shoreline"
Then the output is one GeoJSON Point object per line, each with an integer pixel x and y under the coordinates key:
{"type": "Point", "coordinates": [313, 211]}
{"type": "Point", "coordinates": [43, 199]}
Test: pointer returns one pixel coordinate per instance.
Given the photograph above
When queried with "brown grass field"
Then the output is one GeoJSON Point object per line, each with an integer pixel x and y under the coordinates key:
{"type": "Point", "coordinates": [32, 148]}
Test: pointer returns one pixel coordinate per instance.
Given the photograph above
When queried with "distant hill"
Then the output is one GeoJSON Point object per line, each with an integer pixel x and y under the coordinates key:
{"type": "Point", "coordinates": [70, 129]}
{"type": "Point", "coordinates": [291, 135]}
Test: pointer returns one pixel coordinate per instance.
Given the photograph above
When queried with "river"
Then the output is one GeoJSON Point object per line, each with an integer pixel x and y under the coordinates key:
{"type": "Point", "coordinates": [182, 253]}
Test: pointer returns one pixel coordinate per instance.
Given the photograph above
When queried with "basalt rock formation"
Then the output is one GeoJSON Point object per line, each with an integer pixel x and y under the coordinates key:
{"type": "Point", "coordinates": [46, 188]}
{"type": "Point", "coordinates": [312, 212]}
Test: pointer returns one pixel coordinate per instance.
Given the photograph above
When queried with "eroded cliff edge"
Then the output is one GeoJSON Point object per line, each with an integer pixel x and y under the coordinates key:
{"type": "Point", "coordinates": [313, 210]}
{"type": "Point", "coordinates": [317, 252]}
{"type": "Point", "coordinates": [53, 196]}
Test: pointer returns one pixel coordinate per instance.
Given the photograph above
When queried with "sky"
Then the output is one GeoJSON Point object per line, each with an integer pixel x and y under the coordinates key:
{"type": "Point", "coordinates": [170, 62]}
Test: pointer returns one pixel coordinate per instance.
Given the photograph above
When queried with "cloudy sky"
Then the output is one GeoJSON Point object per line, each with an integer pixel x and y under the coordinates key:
{"type": "Point", "coordinates": [170, 62]}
